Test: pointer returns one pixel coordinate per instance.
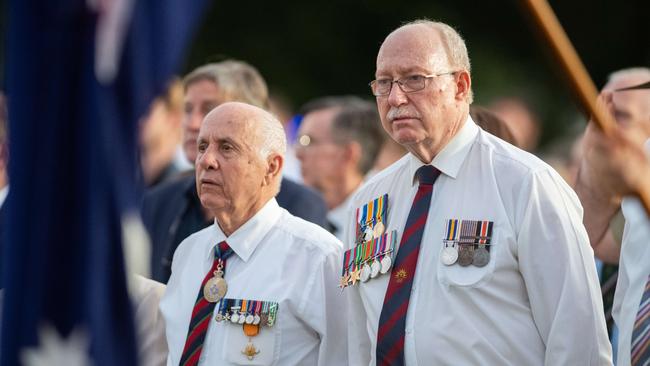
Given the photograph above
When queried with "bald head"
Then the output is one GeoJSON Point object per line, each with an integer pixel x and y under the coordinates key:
{"type": "Point", "coordinates": [239, 162]}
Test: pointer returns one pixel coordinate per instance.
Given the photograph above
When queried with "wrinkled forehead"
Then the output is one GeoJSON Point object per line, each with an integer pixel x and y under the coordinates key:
{"type": "Point", "coordinates": [415, 48]}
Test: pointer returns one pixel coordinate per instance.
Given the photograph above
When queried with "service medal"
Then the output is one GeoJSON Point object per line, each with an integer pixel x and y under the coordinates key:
{"type": "Point", "coordinates": [466, 255]}
{"type": "Point", "coordinates": [386, 263]}
{"type": "Point", "coordinates": [449, 255]}
{"type": "Point", "coordinates": [374, 268]}
{"type": "Point", "coordinates": [365, 273]}
{"type": "Point", "coordinates": [256, 319]}
{"type": "Point", "coordinates": [481, 257]}
{"type": "Point", "coordinates": [367, 234]}
{"type": "Point", "coordinates": [378, 230]}
{"type": "Point", "coordinates": [216, 287]}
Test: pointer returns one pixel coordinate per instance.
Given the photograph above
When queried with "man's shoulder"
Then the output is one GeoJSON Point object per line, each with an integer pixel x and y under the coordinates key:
{"type": "Point", "coordinates": [308, 235]}
{"type": "Point", "coordinates": [507, 157]}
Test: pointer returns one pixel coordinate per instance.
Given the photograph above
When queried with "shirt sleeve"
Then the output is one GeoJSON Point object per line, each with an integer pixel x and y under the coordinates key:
{"type": "Point", "coordinates": [557, 264]}
{"type": "Point", "coordinates": [324, 309]}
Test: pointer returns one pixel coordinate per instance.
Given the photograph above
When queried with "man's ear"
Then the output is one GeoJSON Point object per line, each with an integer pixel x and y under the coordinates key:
{"type": "Point", "coordinates": [274, 163]}
{"type": "Point", "coordinates": [353, 152]}
{"type": "Point", "coordinates": [463, 85]}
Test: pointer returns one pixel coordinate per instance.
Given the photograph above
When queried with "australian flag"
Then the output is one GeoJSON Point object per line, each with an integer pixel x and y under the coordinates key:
{"type": "Point", "coordinates": [79, 74]}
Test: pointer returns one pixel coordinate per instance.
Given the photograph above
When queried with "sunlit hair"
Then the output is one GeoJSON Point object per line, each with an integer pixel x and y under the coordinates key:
{"type": "Point", "coordinates": [273, 141]}
{"type": "Point", "coordinates": [237, 80]}
{"type": "Point", "coordinates": [454, 45]}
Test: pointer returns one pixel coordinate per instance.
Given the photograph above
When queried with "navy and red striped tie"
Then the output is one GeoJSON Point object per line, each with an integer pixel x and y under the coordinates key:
{"type": "Point", "coordinates": [202, 312]}
{"type": "Point", "coordinates": [392, 321]}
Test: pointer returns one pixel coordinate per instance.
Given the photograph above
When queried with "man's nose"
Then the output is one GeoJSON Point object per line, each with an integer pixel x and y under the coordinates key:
{"type": "Point", "coordinates": [397, 97]}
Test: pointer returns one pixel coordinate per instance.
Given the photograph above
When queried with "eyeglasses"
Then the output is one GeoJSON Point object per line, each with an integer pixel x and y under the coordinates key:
{"type": "Point", "coordinates": [408, 84]}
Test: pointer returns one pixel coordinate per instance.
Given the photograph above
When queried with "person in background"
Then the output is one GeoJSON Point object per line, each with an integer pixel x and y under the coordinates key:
{"type": "Point", "coordinates": [338, 142]}
{"type": "Point", "coordinates": [172, 211]}
{"type": "Point", "coordinates": [611, 170]}
{"type": "Point", "coordinates": [160, 137]}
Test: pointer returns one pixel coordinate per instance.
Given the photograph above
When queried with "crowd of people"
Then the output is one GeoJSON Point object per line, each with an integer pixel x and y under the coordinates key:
{"type": "Point", "coordinates": [422, 230]}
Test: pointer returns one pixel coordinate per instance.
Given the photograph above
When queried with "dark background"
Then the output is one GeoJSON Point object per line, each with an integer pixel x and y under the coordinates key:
{"type": "Point", "coordinates": [309, 49]}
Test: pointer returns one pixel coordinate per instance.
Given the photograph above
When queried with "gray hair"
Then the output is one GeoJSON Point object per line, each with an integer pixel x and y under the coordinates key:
{"type": "Point", "coordinates": [273, 137]}
{"type": "Point", "coordinates": [237, 80]}
{"type": "Point", "coordinates": [454, 45]}
{"type": "Point", "coordinates": [360, 122]}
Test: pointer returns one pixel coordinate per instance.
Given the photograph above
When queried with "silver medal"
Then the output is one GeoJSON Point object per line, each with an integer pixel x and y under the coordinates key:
{"type": "Point", "coordinates": [481, 257]}
{"type": "Point", "coordinates": [256, 319]}
{"type": "Point", "coordinates": [449, 255]}
{"type": "Point", "coordinates": [249, 319]}
{"type": "Point", "coordinates": [367, 234]}
{"type": "Point", "coordinates": [386, 263]}
{"type": "Point", "coordinates": [365, 273]}
{"type": "Point", "coordinates": [374, 268]}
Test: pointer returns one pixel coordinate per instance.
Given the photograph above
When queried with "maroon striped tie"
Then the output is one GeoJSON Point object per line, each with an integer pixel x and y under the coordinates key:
{"type": "Point", "coordinates": [202, 312]}
{"type": "Point", "coordinates": [392, 320]}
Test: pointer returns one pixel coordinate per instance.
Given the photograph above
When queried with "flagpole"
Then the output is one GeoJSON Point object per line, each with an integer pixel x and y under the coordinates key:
{"type": "Point", "coordinates": [575, 73]}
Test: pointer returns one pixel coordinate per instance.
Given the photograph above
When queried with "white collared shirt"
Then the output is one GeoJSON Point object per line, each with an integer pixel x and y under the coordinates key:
{"type": "Point", "coordinates": [537, 301]}
{"type": "Point", "coordinates": [633, 272]}
{"type": "Point", "coordinates": [277, 257]}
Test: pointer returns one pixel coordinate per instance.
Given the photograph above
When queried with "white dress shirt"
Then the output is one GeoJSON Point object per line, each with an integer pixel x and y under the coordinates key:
{"type": "Point", "coordinates": [150, 326]}
{"type": "Point", "coordinates": [633, 271]}
{"type": "Point", "coordinates": [277, 257]}
{"type": "Point", "coordinates": [537, 301]}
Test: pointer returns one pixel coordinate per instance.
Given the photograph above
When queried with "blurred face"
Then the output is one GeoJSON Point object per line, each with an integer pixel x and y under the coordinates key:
{"type": "Point", "coordinates": [230, 173]}
{"type": "Point", "coordinates": [423, 118]}
{"type": "Point", "coordinates": [200, 98]}
{"type": "Point", "coordinates": [632, 107]}
{"type": "Point", "coordinates": [320, 158]}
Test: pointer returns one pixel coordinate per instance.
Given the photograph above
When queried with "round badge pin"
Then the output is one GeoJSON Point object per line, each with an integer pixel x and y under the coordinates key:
{"type": "Point", "coordinates": [481, 257]}
{"type": "Point", "coordinates": [374, 268]}
{"type": "Point", "coordinates": [449, 255]}
{"type": "Point", "coordinates": [386, 263]}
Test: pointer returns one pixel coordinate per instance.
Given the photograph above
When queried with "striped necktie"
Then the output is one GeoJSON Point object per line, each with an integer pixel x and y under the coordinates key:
{"type": "Point", "coordinates": [392, 321]}
{"type": "Point", "coordinates": [641, 333]}
{"type": "Point", "coordinates": [202, 312]}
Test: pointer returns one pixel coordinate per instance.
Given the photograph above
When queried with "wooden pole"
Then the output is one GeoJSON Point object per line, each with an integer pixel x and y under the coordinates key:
{"type": "Point", "coordinates": [575, 73]}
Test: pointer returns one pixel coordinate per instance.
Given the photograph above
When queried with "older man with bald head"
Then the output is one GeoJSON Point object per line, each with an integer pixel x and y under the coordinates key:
{"type": "Point", "coordinates": [255, 287]}
{"type": "Point", "coordinates": [467, 251]}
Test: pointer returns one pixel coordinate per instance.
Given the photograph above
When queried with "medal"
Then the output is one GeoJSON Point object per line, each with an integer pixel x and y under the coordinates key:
{"type": "Point", "coordinates": [250, 331]}
{"type": "Point", "coordinates": [216, 287]}
{"type": "Point", "coordinates": [234, 318]}
{"type": "Point", "coordinates": [449, 255]}
{"type": "Point", "coordinates": [378, 230]}
{"type": "Point", "coordinates": [481, 257]}
{"type": "Point", "coordinates": [365, 273]}
{"type": "Point", "coordinates": [466, 254]}
{"type": "Point", "coordinates": [367, 234]}
{"type": "Point", "coordinates": [386, 263]}
{"type": "Point", "coordinates": [374, 268]}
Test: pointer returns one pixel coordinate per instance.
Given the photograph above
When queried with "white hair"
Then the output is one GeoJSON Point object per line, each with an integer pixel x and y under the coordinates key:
{"type": "Point", "coordinates": [273, 137]}
{"type": "Point", "coordinates": [454, 45]}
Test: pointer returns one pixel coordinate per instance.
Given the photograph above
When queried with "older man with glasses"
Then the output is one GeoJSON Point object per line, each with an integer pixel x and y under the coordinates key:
{"type": "Point", "coordinates": [467, 251]}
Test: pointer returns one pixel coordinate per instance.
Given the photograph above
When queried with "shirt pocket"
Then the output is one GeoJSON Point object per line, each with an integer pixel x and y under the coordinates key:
{"type": "Point", "coordinates": [261, 350]}
{"type": "Point", "coordinates": [470, 275]}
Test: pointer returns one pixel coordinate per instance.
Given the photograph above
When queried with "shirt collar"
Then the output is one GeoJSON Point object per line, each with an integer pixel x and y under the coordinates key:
{"type": "Point", "coordinates": [452, 156]}
{"type": "Point", "coordinates": [245, 239]}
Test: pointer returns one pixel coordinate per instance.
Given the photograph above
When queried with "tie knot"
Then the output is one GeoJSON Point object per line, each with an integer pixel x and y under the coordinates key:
{"type": "Point", "coordinates": [427, 174]}
{"type": "Point", "coordinates": [223, 250]}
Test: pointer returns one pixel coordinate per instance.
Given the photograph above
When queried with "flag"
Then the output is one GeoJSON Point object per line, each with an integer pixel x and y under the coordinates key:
{"type": "Point", "coordinates": [79, 75]}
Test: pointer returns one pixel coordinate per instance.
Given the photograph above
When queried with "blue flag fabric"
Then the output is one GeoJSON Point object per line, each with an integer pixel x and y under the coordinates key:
{"type": "Point", "coordinates": [77, 87]}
